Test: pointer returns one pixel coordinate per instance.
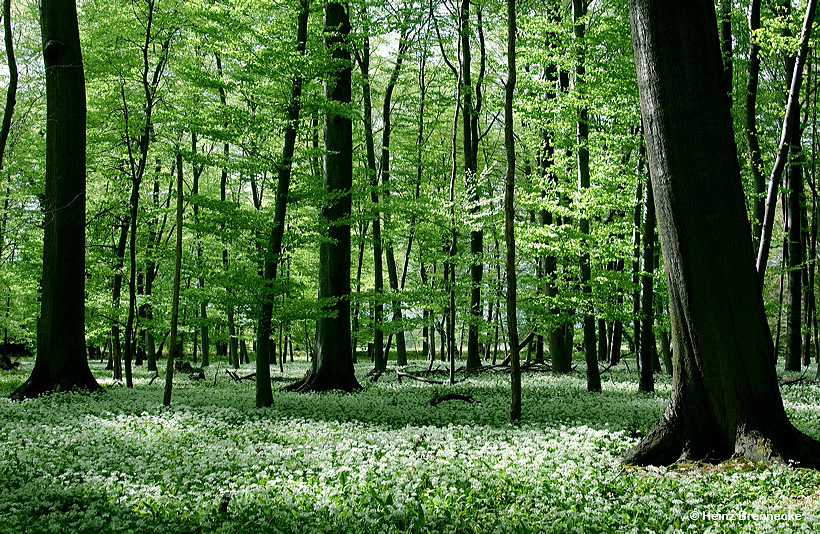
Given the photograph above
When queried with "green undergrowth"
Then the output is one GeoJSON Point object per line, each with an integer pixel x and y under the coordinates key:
{"type": "Point", "coordinates": [381, 460]}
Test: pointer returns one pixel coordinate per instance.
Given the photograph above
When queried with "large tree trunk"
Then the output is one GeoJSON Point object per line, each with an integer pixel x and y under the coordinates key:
{"type": "Point", "coordinates": [725, 397]}
{"type": "Point", "coordinates": [332, 365]}
{"type": "Point", "coordinates": [61, 362]}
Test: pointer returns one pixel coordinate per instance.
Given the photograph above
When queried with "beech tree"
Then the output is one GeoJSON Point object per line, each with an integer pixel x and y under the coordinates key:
{"type": "Point", "coordinates": [332, 365]}
{"type": "Point", "coordinates": [61, 353]}
{"type": "Point", "coordinates": [725, 397]}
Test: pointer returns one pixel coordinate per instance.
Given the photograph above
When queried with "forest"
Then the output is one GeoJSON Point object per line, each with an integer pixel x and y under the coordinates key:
{"type": "Point", "coordinates": [403, 266]}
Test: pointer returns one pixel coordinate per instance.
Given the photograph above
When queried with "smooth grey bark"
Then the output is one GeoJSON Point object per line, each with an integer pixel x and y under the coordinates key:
{"type": "Point", "coordinates": [725, 397]}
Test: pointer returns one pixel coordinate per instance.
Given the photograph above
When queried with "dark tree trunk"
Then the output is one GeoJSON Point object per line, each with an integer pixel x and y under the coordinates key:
{"type": "Point", "coordinates": [332, 366]}
{"type": "Point", "coordinates": [579, 10]}
{"type": "Point", "coordinates": [471, 177]}
{"type": "Point", "coordinates": [648, 349]}
{"type": "Point", "coordinates": [725, 397]}
{"type": "Point", "coordinates": [794, 181]}
{"type": "Point", "coordinates": [264, 394]}
{"type": "Point", "coordinates": [173, 348]}
{"type": "Point", "coordinates": [509, 218]}
{"type": "Point", "coordinates": [61, 362]}
{"type": "Point", "coordinates": [752, 141]}
{"type": "Point", "coordinates": [379, 361]}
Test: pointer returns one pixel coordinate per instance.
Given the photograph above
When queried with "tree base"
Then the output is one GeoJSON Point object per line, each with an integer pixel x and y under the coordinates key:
{"type": "Point", "coordinates": [667, 445]}
{"type": "Point", "coordinates": [318, 383]}
{"type": "Point", "coordinates": [35, 386]}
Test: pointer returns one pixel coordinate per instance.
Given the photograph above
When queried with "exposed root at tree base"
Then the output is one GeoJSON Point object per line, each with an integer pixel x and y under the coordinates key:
{"type": "Point", "coordinates": [665, 445]}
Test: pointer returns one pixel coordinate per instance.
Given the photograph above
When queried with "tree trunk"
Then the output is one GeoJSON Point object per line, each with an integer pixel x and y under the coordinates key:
{"type": "Point", "coordinates": [579, 10]}
{"type": "Point", "coordinates": [379, 362]}
{"type": "Point", "coordinates": [790, 118]}
{"type": "Point", "coordinates": [264, 394]}
{"type": "Point", "coordinates": [471, 177]}
{"type": "Point", "coordinates": [332, 366]}
{"type": "Point", "coordinates": [509, 218]}
{"type": "Point", "coordinates": [648, 349]}
{"type": "Point", "coordinates": [61, 362]}
{"type": "Point", "coordinates": [172, 348]}
{"type": "Point", "coordinates": [725, 396]}
{"type": "Point", "coordinates": [794, 181]}
{"type": "Point", "coordinates": [752, 140]}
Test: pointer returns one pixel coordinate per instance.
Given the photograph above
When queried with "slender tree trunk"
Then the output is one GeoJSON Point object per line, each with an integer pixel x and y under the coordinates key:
{"type": "Point", "coordinates": [509, 217]}
{"type": "Point", "coordinates": [579, 10]}
{"type": "Point", "coordinates": [379, 361]}
{"type": "Point", "coordinates": [795, 266]}
{"type": "Point", "coordinates": [387, 128]}
{"type": "Point", "coordinates": [172, 348]}
{"type": "Point", "coordinates": [725, 396]}
{"type": "Point", "coordinates": [264, 394]}
{"type": "Point", "coordinates": [752, 140]}
{"type": "Point", "coordinates": [786, 136]}
{"type": "Point", "coordinates": [470, 171]}
{"type": "Point", "coordinates": [648, 350]}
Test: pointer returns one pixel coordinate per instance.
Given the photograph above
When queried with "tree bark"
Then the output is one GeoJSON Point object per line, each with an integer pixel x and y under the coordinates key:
{"type": "Point", "coordinates": [61, 363]}
{"type": "Point", "coordinates": [471, 178]}
{"type": "Point", "coordinates": [332, 365]}
{"type": "Point", "coordinates": [509, 218]}
{"type": "Point", "coordinates": [172, 347]}
{"type": "Point", "coordinates": [725, 396]}
{"type": "Point", "coordinates": [648, 349]}
{"type": "Point", "coordinates": [786, 134]}
{"type": "Point", "coordinates": [579, 10]}
{"type": "Point", "coordinates": [379, 362]}
{"type": "Point", "coordinates": [750, 122]}
{"type": "Point", "coordinates": [264, 394]}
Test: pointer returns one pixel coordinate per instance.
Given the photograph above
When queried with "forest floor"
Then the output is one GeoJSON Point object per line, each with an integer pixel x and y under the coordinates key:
{"type": "Point", "coordinates": [381, 460]}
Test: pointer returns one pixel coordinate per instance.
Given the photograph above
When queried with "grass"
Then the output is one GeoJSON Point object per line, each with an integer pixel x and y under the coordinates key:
{"type": "Point", "coordinates": [381, 460]}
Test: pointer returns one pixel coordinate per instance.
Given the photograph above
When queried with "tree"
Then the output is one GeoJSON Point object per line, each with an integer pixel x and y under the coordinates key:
{"type": "Point", "coordinates": [332, 365]}
{"type": "Point", "coordinates": [61, 353]}
{"type": "Point", "coordinates": [579, 11]}
{"type": "Point", "coordinates": [173, 347]}
{"type": "Point", "coordinates": [264, 395]}
{"type": "Point", "coordinates": [509, 218]}
{"type": "Point", "coordinates": [725, 397]}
